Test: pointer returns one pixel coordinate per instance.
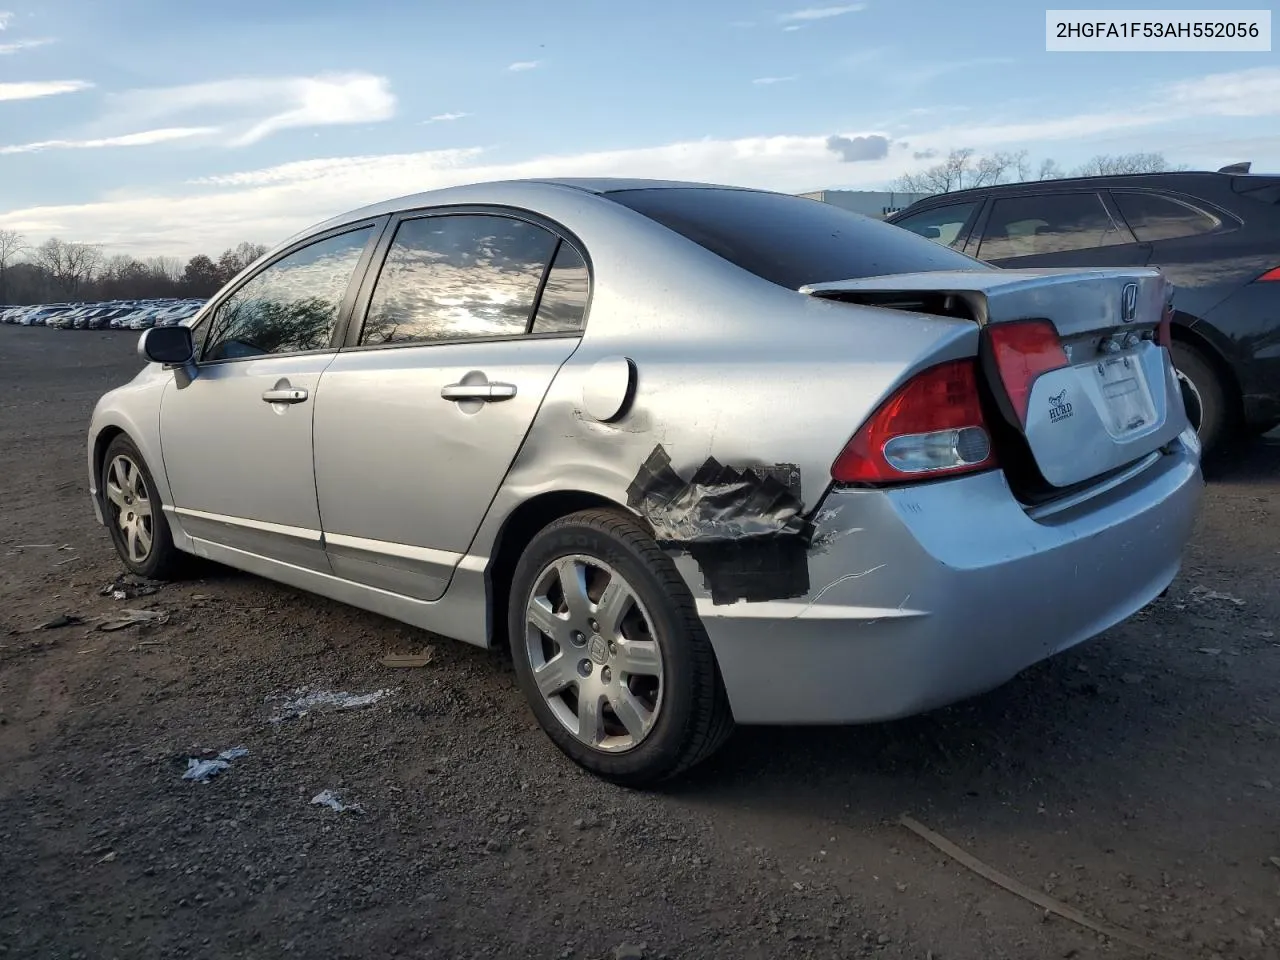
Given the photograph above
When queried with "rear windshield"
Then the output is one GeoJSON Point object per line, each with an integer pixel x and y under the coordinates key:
{"type": "Point", "coordinates": [790, 240]}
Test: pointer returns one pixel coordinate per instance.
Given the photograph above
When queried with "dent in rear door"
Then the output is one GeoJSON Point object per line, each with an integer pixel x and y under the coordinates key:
{"type": "Point", "coordinates": [407, 458]}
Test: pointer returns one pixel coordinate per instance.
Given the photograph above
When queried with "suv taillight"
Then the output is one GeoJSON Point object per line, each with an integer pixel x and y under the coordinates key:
{"type": "Point", "coordinates": [931, 426]}
{"type": "Point", "coordinates": [1024, 350]}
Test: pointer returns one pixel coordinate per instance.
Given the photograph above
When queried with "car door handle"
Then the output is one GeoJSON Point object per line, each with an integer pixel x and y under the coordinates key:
{"type": "Point", "coordinates": [487, 392]}
{"type": "Point", "coordinates": [285, 395]}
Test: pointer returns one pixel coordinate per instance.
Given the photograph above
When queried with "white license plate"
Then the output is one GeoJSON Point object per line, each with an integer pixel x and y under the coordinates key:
{"type": "Point", "coordinates": [1127, 404]}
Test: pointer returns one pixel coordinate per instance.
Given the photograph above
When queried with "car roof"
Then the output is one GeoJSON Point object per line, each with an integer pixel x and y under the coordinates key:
{"type": "Point", "coordinates": [1172, 179]}
{"type": "Point", "coordinates": [506, 192]}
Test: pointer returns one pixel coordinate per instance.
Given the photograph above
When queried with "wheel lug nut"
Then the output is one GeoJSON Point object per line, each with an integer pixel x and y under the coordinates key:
{"type": "Point", "coordinates": [578, 638]}
{"type": "Point", "coordinates": [606, 675]}
{"type": "Point", "coordinates": [584, 668]}
{"type": "Point", "coordinates": [595, 626]}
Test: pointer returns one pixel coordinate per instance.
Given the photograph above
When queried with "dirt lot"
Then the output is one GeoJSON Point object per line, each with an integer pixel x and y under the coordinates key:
{"type": "Point", "coordinates": [1136, 779]}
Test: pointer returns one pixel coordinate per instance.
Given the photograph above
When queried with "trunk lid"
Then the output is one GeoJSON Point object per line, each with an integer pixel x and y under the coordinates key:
{"type": "Point", "coordinates": [1108, 399]}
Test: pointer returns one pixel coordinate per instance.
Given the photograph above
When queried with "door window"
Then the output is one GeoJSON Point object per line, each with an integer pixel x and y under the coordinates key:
{"type": "Point", "coordinates": [942, 224]}
{"type": "Point", "coordinates": [458, 277]}
{"type": "Point", "coordinates": [1153, 217]}
{"type": "Point", "coordinates": [1050, 223]}
{"type": "Point", "coordinates": [291, 306]}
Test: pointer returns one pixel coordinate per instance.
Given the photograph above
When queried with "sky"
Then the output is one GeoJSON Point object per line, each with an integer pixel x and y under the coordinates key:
{"type": "Point", "coordinates": [160, 128]}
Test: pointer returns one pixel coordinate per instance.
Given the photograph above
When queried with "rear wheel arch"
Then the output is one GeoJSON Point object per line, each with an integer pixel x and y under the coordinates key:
{"type": "Point", "coordinates": [1203, 352]}
{"type": "Point", "coordinates": [1185, 333]}
{"type": "Point", "coordinates": [523, 524]}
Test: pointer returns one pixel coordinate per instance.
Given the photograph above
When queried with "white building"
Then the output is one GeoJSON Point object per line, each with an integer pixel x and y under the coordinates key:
{"type": "Point", "coordinates": [869, 203]}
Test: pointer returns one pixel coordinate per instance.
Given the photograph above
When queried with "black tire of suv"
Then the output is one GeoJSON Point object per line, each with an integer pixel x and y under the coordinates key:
{"type": "Point", "coordinates": [165, 561]}
{"type": "Point", "coordinates": [1217, 420]}
{"type": "Point", "coordinates": [695, 718]}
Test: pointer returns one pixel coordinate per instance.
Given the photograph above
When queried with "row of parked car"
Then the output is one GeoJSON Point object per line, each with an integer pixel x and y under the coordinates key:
{"type": "Point", "coordinates": [107, 315]}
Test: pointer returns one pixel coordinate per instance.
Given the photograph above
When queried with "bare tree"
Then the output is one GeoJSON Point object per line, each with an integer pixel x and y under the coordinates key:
{"type": "Point", "coordinates": [1104, 165]}
{"type": "Point", "coordinates": [12, 243]}
{"type": "Point", "coordinates": [963, 168]}
{"type": "Point", "coordinates": [1049, 170]}
{"type": "Point", "coordinates": [997, 168]}
{"type": "Point", "coordinates": [942, 177]}
{"type": "Point", "coordinates": [69, 265]}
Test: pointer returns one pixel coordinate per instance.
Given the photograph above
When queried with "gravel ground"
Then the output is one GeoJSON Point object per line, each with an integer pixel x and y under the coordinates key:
{"type": "Point", "coordinates": [1134, 779]}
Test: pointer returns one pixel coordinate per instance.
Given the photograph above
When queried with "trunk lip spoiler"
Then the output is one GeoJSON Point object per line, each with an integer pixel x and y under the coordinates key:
{"type": "Point", "coordinates": [977, 281]}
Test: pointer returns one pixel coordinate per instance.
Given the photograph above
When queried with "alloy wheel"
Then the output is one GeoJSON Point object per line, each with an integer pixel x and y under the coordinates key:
{"type": "Point", "coordinates": [126, 490]}
{"type": "Point", "coordinates": [593, 654]}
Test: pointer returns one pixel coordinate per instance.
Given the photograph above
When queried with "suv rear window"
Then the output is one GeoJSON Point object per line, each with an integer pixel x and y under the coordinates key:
{"type": "Point", "coordinates": [790, 241]}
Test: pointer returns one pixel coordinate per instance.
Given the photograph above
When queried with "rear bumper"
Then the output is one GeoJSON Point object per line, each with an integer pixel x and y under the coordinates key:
{"type": "Point", "coordinates": [927, 595]}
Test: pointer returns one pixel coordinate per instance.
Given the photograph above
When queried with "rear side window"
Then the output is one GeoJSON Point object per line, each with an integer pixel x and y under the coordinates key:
{"type": "Point", "coordinates": [942, 224]}
{"type": "Point", "coordinates": [790, 241]}
{"type": "Point", "coordinates": [1049, 223]}
{"type": "Point", "coordinates": [1153, 217]}
{"type": "Point", "coordinates": [563, 304]}
{"type": "Point", "coordinates": [458, 277]}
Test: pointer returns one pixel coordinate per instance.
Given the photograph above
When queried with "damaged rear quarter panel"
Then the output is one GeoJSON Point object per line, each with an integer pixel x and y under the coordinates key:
{"type": "Point", "coordinates": [748, 392]}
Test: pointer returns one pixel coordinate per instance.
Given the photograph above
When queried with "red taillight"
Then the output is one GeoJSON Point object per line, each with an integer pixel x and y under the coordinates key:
{"type": "Point", "coordinates": [1023, 351]}
{"type": "Point", "coordinates": [1273, 274]}
{"type": "Point", "coordinates": [1164, 330]}
{"type": "Point", "coordinates": [931, 426]}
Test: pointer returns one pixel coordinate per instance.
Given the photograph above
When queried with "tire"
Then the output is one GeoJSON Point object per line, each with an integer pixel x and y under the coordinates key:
{"type": "Point", "coordinates": [127, 483]}
{"type": "Point", "coordinates": [672, 697]}
{"type": "Point", "coordinates": [1206, 397]}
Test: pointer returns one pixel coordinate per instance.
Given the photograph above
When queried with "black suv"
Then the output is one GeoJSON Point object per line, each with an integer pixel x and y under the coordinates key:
{"type": "Point", "coordinates": [1216, 236]}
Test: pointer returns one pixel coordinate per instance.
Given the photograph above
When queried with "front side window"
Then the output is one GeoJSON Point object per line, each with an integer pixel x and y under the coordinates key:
{"type": "Point", "coordinates": [1051, 223]}
{"type": "Point", "coordinates": [291, 306]}
{"type": "Point", "coordinates": [942, 224]}
{"type": "Point", "coordinates": [1153, 217]}
{"type": "Point", "coordinates": [458, 277]}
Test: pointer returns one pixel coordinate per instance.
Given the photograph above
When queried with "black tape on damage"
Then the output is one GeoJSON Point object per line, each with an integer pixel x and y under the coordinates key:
{"type": "Point", "coordinates": [743, 527]}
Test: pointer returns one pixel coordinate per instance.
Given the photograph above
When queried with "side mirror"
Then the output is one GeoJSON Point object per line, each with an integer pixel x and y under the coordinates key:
{"type": "Point", "coordinates": [931, 233]}
{"type": "Point", "coordinates": [171, 346]}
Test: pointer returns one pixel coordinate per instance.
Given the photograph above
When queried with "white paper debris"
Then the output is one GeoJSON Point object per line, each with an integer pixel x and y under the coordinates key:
{"type": "Point", "coordinates": [305, 700]}
{"type": "Point", "coordinates": [1205, 595]}
{"type": "Point", "coordinates": [201, 770]}
{"type": "Point", "coordinates": [327, 798]}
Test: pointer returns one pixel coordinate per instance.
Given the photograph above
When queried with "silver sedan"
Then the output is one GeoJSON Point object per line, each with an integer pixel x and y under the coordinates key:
{"type": "Point", "coordinates": [697, 455]}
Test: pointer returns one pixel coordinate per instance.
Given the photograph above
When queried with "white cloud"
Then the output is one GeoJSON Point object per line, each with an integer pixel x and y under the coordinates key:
{"type": "Point", "coordinates": [521, 65]}
{"type": "Point", "coordinates": [445, 117]}
{"type": "Point", "coordinates": [251, 109]}
{"type": "Point", "coordinates": [33, 89]}
{"type": "Point", "coordinates": [1244, 93]}
{"type": "Point", "coordinates": [142, 139]}
{"type": "Point", "coordinates": [768, 81]}
{"type": "Point", "coordinates": [793, 28]}
{"type": "Point", "coordinates": [821, 13]}
{"type": "Point", "coordinates": [6, 48]}
{"type": "Point", "coordinates": [5, 17]}
{"type": "Point", "coordinates": [271, 203]}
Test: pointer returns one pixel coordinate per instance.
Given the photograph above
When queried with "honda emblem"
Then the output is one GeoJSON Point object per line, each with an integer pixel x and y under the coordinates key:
{"type": "Point", "coordinates": [1129, 302]}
